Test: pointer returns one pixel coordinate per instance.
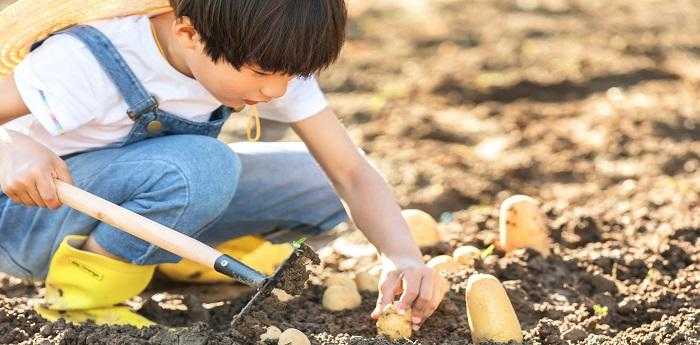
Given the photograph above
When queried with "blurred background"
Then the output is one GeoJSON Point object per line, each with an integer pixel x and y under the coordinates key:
{"type": "Point", "coordinates": [457, 101]}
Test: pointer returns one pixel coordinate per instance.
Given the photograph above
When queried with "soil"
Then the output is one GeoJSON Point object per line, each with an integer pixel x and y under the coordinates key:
{"type": "Point", "coordinates": [294, 277]}
{"type": "Point", "coordinates": [591, 106]}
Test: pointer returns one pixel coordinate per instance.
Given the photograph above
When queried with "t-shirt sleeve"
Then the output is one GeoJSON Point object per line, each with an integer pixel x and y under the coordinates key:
{"type": "Point", "coordinates": [58, 83]}
{"type": "Point", "coordinates": [303, 99]}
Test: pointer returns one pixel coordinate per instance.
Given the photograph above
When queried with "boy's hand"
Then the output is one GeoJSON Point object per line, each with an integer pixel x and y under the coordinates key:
{"type": "Point", "coordinates": [421, 288]}
{"type": "Point", "coordinates": [28, 169]}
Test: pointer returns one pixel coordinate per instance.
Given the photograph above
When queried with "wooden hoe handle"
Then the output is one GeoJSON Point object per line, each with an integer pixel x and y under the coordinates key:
{"type": "Point", "coordinates": [136, 224]}
{"type": "Point", "coordinates": [157, 234]}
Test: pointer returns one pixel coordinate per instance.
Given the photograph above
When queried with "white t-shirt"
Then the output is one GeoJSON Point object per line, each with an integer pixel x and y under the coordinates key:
{"type": "Point", "coordinates": [76, 107]}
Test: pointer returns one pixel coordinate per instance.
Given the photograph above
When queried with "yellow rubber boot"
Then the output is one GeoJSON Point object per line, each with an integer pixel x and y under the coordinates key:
{"type": "Point", "coordinates": [83, 286]}
{"type": "Point", "coordinates": [253, 251]}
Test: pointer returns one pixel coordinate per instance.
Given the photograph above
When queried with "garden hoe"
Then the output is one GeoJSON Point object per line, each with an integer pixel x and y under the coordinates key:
{"type": "Point", "coordinates": [183, 245]}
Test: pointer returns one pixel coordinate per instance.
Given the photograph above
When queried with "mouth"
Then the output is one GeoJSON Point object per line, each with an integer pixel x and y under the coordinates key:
{"type": "Point", "coordinates": [249, 102]}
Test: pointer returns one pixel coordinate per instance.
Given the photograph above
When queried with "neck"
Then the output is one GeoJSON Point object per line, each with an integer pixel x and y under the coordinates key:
{"type": "Point", "coordinates": [175, 57]}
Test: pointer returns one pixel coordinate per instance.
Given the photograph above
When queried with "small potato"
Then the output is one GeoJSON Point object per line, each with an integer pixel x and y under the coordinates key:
{"type": "Point", "coordinates": [521, 225]}
{"type": "Point", "coordinates": [368, 279]}
{"type": "Point", "coordinates": [340, 279]}
{"type": "Point", "coordinates": [282, 295]}
{"type": "Point", "coordinates": [293, 337]}
{"type": "Point", "coordinates": [394, 325]}
{"type": "Point", "coordinates": [424, 229]}
{"type": "Point", "coordinates": [466, 255]}
{"type": "Point", "coordinates": [490, 313]}
{"type": "Point", "coordinates": [341, 297]}
{"type": "Point", "coordinates": [272, 333]}
{"type": "Point", "coordinates": [443, 264]}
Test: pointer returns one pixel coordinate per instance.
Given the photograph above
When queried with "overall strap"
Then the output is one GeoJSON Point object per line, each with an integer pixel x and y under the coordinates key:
{"type": "Point", "coordinates": [112, 62]}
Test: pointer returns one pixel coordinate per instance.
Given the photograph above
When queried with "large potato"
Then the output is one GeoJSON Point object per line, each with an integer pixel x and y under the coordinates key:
{"type": "Point", "coordinates": [443, 264]}
{"type": "Point", "coordinates": [424, 229]}
{"type": "Point", "coordinates": [368, 279]}
{"type": "Point", "coordinates": [522, 225]}
{"type": "Point", "coordinates": [341, 297]}
{"type": "Point", "coordinates": [491, 315]}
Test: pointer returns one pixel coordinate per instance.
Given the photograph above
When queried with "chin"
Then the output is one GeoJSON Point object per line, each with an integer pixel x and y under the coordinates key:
{"type": "Point", "coordinates": [239, 105]}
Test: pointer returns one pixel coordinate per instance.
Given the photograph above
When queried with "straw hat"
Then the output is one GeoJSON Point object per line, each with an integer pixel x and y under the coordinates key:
{"type": "Point", "coordinates": [28, 21]}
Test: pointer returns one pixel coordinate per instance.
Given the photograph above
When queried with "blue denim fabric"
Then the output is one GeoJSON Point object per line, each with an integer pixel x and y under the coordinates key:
{"type": "Point", "coordinates": [182, 177]}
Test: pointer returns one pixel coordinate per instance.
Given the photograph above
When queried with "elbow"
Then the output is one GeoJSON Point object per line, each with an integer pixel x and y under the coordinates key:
{"type": "Point", "coordinates": [358, 173]}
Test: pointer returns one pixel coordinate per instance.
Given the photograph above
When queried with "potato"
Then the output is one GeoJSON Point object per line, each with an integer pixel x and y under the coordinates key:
{"type": "Point", "coordinates": [293, 337]}
{"type": "Point", "coordinates": [423, 227]}
{"type": "Point", "coordinates": [368, 279]}
{"type": "Point", "coordinates": [466, 255]}
{"type": "Point", "coordinates": [340, 279]}
{"type": "Point", "coordinates": [272, 333]}
{"type": "Point", "coordinates": [443, 264]}
{"type": "Point", "coordinates": [491, 315]}
{"type": "Point", "coordinates": [282, 295]}
{"type": "Point", "coordinates": [341, 297]}
{"type": "Point", "coordinates": [521, 225]}
{"type": "Point", "coordinates": [394, 325]}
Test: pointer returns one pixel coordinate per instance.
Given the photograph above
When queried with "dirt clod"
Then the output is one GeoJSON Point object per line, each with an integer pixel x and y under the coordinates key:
{"type": "Point", "coordinates": [295, 276]}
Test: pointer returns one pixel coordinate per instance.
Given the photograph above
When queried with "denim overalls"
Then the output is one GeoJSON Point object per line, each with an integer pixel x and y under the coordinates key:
{"type": "Point", "coordinates": [175, 172]}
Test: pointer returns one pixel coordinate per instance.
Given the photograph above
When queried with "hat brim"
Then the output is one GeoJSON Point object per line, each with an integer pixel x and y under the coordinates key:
{"type": "Point", "coordinates": [28, 21]}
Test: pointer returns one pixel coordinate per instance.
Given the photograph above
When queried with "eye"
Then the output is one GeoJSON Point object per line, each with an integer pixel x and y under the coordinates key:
{"type": "Point", "coordinates": [261, 73]}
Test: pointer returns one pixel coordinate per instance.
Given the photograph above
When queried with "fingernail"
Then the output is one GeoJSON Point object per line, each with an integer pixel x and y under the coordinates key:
{"type": "Point", "coordinates": [416, 327]}
{"type": "Point", "coordinates": [415, 319]}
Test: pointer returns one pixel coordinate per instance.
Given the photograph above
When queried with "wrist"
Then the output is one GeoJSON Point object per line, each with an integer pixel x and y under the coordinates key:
{"type": "Point", "coordinates": [7, 137]}
{"type": "Point", "coordinates": [402, 260]}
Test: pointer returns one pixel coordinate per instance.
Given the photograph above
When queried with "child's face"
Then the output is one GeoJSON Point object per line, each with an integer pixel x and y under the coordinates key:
{"type": "Point", "coordinates": [234, 88]}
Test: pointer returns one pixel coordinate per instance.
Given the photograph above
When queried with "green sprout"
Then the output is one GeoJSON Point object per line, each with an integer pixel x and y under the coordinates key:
{"type": "Point", "coordinates": [600, 310]}
{"type": "Point", "coordinates": [297, 244]}
{"type": "Point", "coordinates": [488, 251]}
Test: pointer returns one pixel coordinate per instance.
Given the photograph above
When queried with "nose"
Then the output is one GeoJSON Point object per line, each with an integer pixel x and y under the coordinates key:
{"type": "Point", "coordinates": [275, 89]}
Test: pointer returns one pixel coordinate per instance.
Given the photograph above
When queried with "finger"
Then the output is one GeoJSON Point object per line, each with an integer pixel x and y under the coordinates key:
{"type": "Point", "coordinates": [412, 280]}
{"type": "Point", "coordinates": [24, 198]}
{"type": "Point", "coordinates": [47, 191]}
{"type": "Point", "coordinates": [62, 172]}
{"type": "Point", "coordinates": [387, 291]}
{"type": "Point", "coordinates": [34, 195]}
{"type": "Point", "coordinates": [438, 296]}
{"type": "Point", "coordinates": [14, 196]}
{"type": "Point", "coordinates": [424, 301]}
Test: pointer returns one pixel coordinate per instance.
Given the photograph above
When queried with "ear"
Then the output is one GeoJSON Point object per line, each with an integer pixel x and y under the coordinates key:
{"type": "Point", "coordinates": [185, 34]}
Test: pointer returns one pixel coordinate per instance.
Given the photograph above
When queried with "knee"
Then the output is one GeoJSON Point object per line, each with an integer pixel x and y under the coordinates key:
{"type": "Point", "coordinates": [211, 170]}
{"type": "Point", "coordinates": [195, 173]}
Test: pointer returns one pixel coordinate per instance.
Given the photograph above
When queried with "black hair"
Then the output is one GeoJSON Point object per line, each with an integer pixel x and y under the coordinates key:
{"type": "Point", "coordinates": [293, 37]}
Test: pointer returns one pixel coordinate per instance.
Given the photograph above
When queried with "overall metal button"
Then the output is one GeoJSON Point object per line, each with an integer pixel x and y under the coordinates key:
{"type": "Point", "coordinates": [154, 127]}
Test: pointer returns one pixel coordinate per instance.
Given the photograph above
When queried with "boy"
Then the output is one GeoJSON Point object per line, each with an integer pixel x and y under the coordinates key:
{"type": "Point", "coordinates": [129, 109]}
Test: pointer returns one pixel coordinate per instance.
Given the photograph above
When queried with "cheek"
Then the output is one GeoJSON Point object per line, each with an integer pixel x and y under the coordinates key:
{"type": "Point", "coordinates": [212, 80]}
{"type": "Point", "coordinates": [225, 83]}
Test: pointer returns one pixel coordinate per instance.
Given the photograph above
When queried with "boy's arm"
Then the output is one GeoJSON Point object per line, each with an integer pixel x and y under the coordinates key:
{"type": "Point", "coordinates": [11, 104]}
{"type": "Point", "coordinates": [376, 213]}
{"type": "Point", "coordinates": [27, 168]}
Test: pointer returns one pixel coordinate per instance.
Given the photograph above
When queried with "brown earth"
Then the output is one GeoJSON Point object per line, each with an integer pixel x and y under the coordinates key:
{"type": "Point", "coordinates": [589, 105]}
